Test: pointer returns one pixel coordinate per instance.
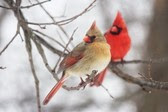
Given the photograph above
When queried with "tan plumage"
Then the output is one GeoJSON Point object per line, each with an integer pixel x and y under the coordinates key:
{"type": "Point", "coordinates": [92, 54]}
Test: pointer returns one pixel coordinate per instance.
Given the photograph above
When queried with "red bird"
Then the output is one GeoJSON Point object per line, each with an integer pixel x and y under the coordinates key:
{"type": "Point", "coordinates": [119, 40]}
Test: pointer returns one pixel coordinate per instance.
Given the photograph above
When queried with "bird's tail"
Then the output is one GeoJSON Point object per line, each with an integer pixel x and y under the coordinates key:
{"type": "Point", "coordinates": [54, 90]}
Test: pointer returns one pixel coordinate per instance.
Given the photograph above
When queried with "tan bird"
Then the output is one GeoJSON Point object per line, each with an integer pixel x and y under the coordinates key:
{"type": "Point", "coordinates": [91, 54]}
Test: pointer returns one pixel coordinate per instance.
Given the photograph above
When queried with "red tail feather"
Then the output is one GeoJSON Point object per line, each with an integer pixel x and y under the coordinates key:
{"type": "Point", "coordinates": [54, 90]}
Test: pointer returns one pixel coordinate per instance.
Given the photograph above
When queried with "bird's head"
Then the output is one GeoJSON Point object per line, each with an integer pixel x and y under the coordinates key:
{"type": "Point", "coordinates": [93, 34]}
{"type": "Point", "coordinates": [119, 25]}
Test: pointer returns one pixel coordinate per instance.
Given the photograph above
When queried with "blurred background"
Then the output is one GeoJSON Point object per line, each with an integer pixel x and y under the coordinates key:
{"type": "Point", "coordinates": [147, 22]}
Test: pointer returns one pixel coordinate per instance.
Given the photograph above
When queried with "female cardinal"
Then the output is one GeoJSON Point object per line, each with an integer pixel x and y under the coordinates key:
{"type": "Point", "coordinates": [119, 40]}
{"type": "Point", "coordinates": [92, 54]}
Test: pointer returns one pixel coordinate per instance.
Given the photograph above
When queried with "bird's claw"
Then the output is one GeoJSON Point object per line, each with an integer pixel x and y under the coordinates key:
{"type": "Point", "coordinates": [122, 62]}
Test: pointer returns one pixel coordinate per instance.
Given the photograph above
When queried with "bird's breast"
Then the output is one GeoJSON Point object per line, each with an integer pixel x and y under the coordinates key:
{"type": "Point", "coordinates": [96, 57]}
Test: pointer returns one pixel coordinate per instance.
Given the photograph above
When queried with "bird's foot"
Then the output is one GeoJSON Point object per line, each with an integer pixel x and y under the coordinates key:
{"type": "Point", "coordinates": [92, 77]}
{"type": "Point", "coordinates": [122, 62]}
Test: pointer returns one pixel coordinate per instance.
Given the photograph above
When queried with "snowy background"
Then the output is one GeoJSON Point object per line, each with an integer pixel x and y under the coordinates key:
{"type": "Point", "coordinates": [17, 90]}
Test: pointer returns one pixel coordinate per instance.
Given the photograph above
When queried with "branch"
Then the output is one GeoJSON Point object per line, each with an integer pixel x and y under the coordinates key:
{"type": "Point", "coordinates": [107, 91]}
{"type": "Point", "coordinates": [43, 56]}
{"type": "Point", "coordinates": [50, 39]}
{"type": "Point", "coordinates": [144, 83]}
{"type": "Point", "coordinates": [69, 20]}
{"type": "Point", "coordinates": [150, 61]}
{"type": "Point", "coordinates": [36, 4]}
{"type": "Point", "coordinates": [4, 7]}
{"type": "Point", "coordinates": [29, 51]}
{"type": "Point", "coordinates": [70, 39]}
{"type": "Point", "coordinates": [66, 21]}
{"type": "Point", "coordinates": [7, 45]}
{"type": "Point", "coordinates": [47, 45]}
{"type": "Point", "coordinates": [52, 18]}
{"type": "Point", "coordinates": [28, 6]}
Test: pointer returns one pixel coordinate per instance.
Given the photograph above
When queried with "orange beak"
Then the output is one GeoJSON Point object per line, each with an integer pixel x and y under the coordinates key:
{"type": "Point", "coordinates": [86, 39]}
{"type": "Point", "coordinates": [114, 29]}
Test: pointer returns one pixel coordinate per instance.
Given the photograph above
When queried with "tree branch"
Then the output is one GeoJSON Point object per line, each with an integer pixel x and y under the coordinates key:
{"type": "Point", "coordinates": [69, 20]}
{"type": "Point", "coordinates": [7, 45]}
{"type": "Point", "coordinates": [36, 4]}
{"type": "Point", "coordinates": [28, 34]}
{"type": "Point", "coordinates": [36, 80]}
{"type": "Point", "coordinates": [4, 7]}
{"type": "Point", "coordinates": [54, 40]}
{"type": "Point", "coordinates": [70, 39]}
{"type": "Point", "coordinates": [150, 61]}
{"type": "Point", "coordinates": [144, 83]}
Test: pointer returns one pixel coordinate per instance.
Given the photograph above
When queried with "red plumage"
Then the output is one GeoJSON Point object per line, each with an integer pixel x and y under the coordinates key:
{"type": "Point", "coordinates": [119, 40]}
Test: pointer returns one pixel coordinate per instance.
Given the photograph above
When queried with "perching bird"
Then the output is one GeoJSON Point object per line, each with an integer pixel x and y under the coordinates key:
{"type": "Point", "coordinates": [92, 54]}
{"type": "Point", "coordinates": [119, 40]}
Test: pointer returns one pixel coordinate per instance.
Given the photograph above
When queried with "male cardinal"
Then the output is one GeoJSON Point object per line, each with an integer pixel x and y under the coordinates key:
{"type": "Point", "coordinates": [119, 40]}
{"type": "Point", "coordinates": [91, 54]}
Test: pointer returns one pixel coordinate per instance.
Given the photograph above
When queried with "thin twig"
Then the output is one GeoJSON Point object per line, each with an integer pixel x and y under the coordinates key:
{"type": "Point", "coordinates": [70, 39]}
{"type": "Point", "coordinates": [62, 39]}
{"type": "Point", "coordinates": [150, 61]}
{"type": "Point", "coordinates": [27, 35]}
{"type": "Point", "coordinates": [51, 38]}
{"type": "Point", "coordinates": [43, 56]}
{"type": "Point", "coordinates": [30, 1]}
{"type": "Point", "coordinates": [107, 91]}
{"type": "Point", "coordinates": [28, 45]}
{"type": "Point", "coordinates": [144, 83]}
{"type": "Point", "coordinates": [69, 20]}
{"type": "Point", "coordinates": [66, 21]}
{"type": "Point", "coordinates": [7, 45]}
{"type": "Point", "coordinates": [52, 18]}
{"type": "Point", "coordinates": [21, 36]}
{"type": "Point", "coordinates": [47, 45]}
{"type": "Point", "coordinates": [36, 4]}
{"type": "Point", "coordinates": [4, 7]}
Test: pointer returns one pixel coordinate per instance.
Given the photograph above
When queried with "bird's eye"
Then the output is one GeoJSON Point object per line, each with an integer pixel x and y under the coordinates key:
{"type": "Point", "coordinates": [92, 38]}
{"type": "Point", "coordinates": [115, 30]}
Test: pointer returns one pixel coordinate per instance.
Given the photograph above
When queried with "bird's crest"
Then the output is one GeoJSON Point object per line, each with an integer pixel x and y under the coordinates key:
{"type": "Point", "coordinates": [119, 21]}
{"type": "Point", "coordinates": [93, 25]}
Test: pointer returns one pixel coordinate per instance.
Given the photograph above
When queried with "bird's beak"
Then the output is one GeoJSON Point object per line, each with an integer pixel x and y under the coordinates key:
{"type": "Point", "coordinates": [114, 29]}
{"type": "Point", "coordinates": [86, 39]}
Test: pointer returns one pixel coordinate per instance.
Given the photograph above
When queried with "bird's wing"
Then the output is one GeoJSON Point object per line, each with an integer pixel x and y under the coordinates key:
{"type": "Point", "coordinates": [73, 57]}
